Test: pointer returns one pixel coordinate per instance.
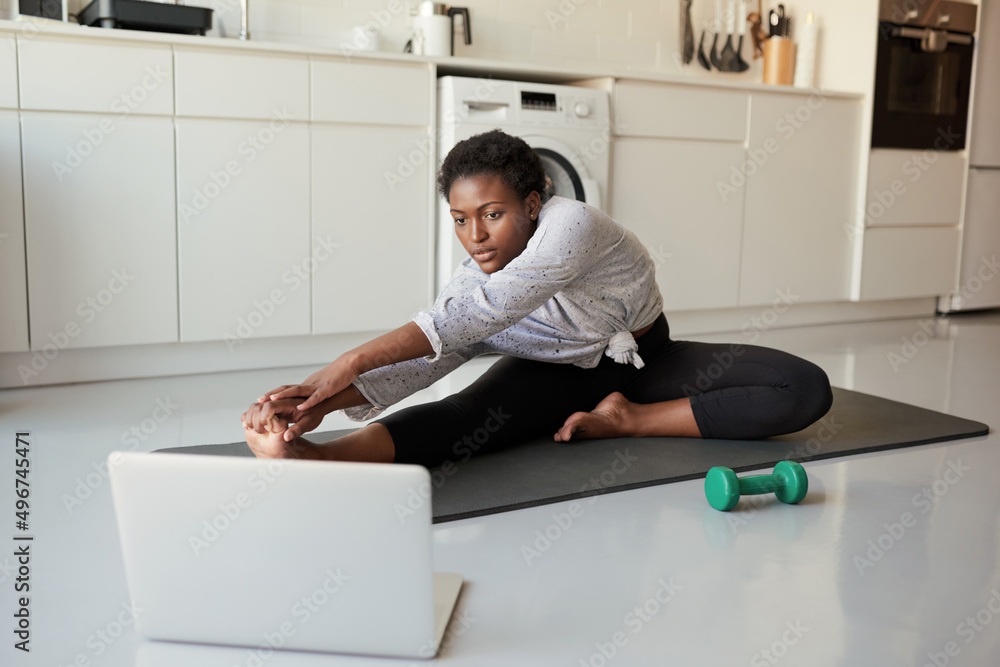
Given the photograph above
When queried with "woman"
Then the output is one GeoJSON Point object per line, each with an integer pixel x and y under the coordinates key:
{"type": "Point", "coordinates": [569, 298]}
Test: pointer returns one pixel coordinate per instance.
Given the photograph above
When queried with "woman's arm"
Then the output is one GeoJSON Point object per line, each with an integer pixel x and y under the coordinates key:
{"type": "Point", "coordinates": [402, 344]}
{"type": "Point", "coordinates": [368, 396]}
{"type": "Point", "coordinates": [405, 343]}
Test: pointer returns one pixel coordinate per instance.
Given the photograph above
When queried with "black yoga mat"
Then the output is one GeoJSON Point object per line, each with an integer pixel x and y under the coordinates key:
{"type": "Point", "coordinates": [543, 471]}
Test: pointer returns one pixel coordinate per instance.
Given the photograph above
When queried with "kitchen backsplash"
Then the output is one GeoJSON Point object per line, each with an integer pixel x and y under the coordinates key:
{"type": "Point", "coordinates": [628, 34]}
{"type": "Point", "coordinates": [642, 35]}
{"type": "Point", "coordinates": [623, 35]}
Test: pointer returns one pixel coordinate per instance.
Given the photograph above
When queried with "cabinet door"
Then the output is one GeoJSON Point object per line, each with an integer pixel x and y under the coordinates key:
{"type": "Point", "coordinates": [100, 228]}
{"type": "Point", "coordinates": [217, 84]}
{"type": "Point", "coordinates": [667, 193]}
{"type": "Point", "coordinates": [646, 109]}
{"type": "Point", "coordinates": [243, 229]}
{"type": "Point", "coordinates": [13, 290]}
{"type": "Point", "coordinates": [801, 187]}
{"type": "Point", "coordinates": [120, 79]}
{"type": "Point", "coordinates": [355, 92]}
{"type": "Point", "coordinates": [904, 262]}
{"type": "Point", "coordinates": [8, 76]}
{"type": "Point", "coordinates": [984, 141]}
{"type": "Point", "coordinates": [370, 199]}
{"type": "Point", "coordinates": [908, 188]}
{"type": "Point", "coordinates": [979, 286]}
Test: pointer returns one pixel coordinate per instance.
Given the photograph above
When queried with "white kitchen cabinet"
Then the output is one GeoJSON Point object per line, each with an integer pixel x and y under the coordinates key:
{"type": "Point", "coordinates": [8, 75]}
{"type": "Point", "coordinates": [800, 182]}
{"type": "Point", "coordinates": [243, 229]}
{"type": "Point", "coordinates": [370, 93]}
{"type": "Point", "coordinates": [978, 283]}
{"type": "Point", "coordinates": [13, 288]}
{"type": "Point", "coordinates": [898, 263]}
{"type": "Point", "coordinates": [983, 139]}
{"type": "Point", "coordinates": [100, 229]}
{"type": "Point", "coordinates": [374, 216]}
{"type": "Point", "coordinates": [218, 84]}
{"type": "Point", "coordinates": [666, 193]}
{"type": "Point", "coordinates": [644, 109]}
{"type": "Point", "coordinates": [908, 188]}
{"type": "Point", "coordinates": [118, 80]}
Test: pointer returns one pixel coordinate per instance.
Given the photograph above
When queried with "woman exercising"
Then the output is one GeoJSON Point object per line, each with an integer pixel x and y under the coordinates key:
{"type": "Point", "coordinates": [569, 297]}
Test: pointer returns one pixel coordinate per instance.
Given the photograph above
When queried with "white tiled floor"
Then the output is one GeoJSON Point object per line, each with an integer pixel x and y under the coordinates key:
{"type": "Point", "coordinates": [798, 563]}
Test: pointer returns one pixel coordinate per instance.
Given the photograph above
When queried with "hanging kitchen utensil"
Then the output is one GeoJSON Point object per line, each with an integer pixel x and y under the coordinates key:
{"type": "Point", "coordinates": [757, 34]}
{"type": "Point", "coordinates": [687, 33]}
{"type": "Point", "coordinates": [741, 18]}
{"type": "Point", "coordinates": [727, 59]}
{"type": "Point", "coordinates": [702, 58]}
{"type": "Point", "coordinates": [714, 57]}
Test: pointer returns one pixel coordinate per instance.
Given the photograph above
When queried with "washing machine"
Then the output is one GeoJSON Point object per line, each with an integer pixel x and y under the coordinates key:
{"type": "Point", "coordinates": [568, 126]}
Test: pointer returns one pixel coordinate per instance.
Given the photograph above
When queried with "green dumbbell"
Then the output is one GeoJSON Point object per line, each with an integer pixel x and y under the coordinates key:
{"type": "Point", "coordinates": [788, 482]}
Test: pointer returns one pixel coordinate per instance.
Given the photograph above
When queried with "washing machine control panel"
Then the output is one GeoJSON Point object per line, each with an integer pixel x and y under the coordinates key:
{"type": "Point", "coordinates": [489, 102]}
{"type": "Point", "coordinates": [557, 109]}
{"type": "Point", "coordinates": [539, 101]}
{"type": "Point", "coordinates": [564, 109]}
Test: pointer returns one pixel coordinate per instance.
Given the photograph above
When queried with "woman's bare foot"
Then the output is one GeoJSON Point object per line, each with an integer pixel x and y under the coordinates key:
{"type": "Point", "coordinates": [272, 445]}
{"type": "Point", "coordinates": [610, 419]}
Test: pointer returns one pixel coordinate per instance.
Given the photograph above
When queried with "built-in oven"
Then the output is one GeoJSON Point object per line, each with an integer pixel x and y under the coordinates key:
{"type": "Point", "coordinates": [923, 74]}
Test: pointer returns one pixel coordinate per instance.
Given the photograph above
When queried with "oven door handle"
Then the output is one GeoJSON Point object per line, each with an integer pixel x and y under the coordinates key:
{"type": "Point", "coordinates": [932, 41]}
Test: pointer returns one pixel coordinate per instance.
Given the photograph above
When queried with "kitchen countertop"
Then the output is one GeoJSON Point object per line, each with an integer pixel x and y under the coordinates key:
{"type": "Point", "coordinates": [549, 73]}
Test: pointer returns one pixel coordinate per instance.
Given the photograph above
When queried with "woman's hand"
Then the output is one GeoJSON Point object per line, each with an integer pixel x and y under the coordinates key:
{"type": "Point", "coordinates": [316, 388]}
{"type": "Point", "coordinates": [272, 444]}
{"type": "Point", "coordinates": [264, 418]}
{"type": "Point", "coordinates": [275, 417]}
{"type": "Point", "coordinates": [332, 388]}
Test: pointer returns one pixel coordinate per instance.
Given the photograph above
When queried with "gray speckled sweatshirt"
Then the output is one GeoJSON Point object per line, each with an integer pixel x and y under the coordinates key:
{"type": "Point", "coordinates": [578, 289]}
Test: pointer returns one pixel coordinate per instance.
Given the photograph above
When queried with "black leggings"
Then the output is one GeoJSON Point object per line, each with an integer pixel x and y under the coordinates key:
{"type": "Point", "coordinates": [742, 392]}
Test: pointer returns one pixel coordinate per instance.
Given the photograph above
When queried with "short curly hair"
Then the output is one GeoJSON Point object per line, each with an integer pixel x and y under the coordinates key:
{"type": "Point", "coordinates": [498, 154]}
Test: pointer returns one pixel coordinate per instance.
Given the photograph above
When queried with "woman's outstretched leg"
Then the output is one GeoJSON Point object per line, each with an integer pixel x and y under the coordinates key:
{"type": "Point", "coordinates": [371, 444]}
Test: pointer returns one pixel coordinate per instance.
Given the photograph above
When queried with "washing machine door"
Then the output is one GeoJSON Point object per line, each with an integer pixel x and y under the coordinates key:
{"type": "Point", "coordinates": [569, 175]}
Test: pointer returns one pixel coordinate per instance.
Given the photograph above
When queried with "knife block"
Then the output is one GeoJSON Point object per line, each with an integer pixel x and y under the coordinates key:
{"type": "Point", "coordinates": [779, 61]}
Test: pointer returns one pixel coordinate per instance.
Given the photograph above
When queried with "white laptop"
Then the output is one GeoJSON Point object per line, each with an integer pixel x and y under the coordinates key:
{"type": "Point", "coordinates": [281, 553]}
